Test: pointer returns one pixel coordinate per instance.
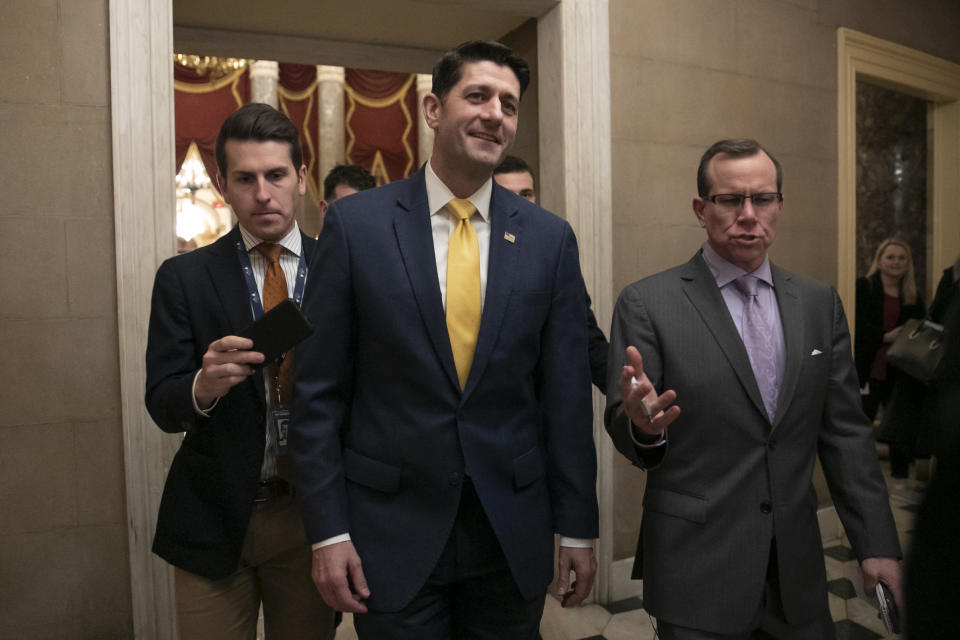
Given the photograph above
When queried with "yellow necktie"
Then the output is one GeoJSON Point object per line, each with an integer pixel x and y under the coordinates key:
{"type": "Point", "coordinates": [463, 288]}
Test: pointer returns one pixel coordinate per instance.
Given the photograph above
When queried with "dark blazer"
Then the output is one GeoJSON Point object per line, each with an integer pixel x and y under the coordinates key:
{"type": "Point", "coordinates": [931, 587]}
{"type": "Point", "coordinates": [199, 297]}
{"type": "Point", "coordinates": [869, 329]}
{"type": "Point", "coordinates": [729, 481]}
{"type": "Point", "coordinates": [599, 350]}
{"type": "Point", "coordinates": [382, 435]}
{"type": "Point", "coordinates": [947, 290]}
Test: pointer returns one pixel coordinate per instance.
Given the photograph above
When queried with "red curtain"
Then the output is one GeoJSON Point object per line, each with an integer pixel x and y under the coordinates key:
{"type": "Point", "coordinates": [297, 97]}
{"type": "Point", "coordinates": [380, 116]}
{"type": "Point", "coordinates": [200, 107]}
{"type": "Point", "coordinates": [381, 122]}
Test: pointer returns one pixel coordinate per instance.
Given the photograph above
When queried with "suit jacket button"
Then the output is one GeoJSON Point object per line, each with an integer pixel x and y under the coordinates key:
{"type": "Point", "coordinates": [454, 479]}
{"type": "Point", "coordinates": [766, 507]}
{"type": "Point", "coordinates": [772, 443]}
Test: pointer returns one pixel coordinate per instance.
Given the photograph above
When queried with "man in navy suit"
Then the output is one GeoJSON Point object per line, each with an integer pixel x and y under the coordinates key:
{"type": "Point", "coordinates": [228, 522]}
{"type": "Point", "coordinates": [433, 476]}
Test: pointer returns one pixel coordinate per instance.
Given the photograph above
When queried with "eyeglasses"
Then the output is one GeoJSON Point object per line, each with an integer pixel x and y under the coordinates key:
{"type": "Point", "coordinates": [735, 200]}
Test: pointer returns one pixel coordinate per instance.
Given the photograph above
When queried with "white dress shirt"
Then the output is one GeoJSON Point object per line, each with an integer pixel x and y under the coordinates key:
{"type": "Point", "coordinates": [292, 244]}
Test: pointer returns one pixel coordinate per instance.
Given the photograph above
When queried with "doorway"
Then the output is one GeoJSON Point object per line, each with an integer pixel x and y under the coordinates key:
{"type": "Point", "coordinates": [885, 65]}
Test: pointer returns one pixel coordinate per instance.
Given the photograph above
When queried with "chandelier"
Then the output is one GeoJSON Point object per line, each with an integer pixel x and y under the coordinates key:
{"type": "Point", "coordinates": [211, 66]}
{"type": "Point", "coordinates": [192, 175]}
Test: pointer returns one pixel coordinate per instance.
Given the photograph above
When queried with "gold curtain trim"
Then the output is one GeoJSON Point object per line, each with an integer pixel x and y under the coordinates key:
{"type": "Point", "coordinates": [406, 137]}
{"type": "Point", "coordinates": [296, 96]}
{"type": "Point", "coordinates": [283, 96]}
{"type": "Point", "coordinates": [380, 103]}
{"type": "Point", "coordinates": [351, 136]}
{"type": "Point", "coordinates": [379, 168]}
{"type": "Point", "coordinates": [236, 94]}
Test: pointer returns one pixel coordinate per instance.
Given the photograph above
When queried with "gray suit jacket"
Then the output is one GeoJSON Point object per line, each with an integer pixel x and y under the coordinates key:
{"type": "Point", "coordinates": [728, 482]}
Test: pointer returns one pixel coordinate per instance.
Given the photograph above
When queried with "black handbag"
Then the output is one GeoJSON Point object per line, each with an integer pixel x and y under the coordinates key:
{"type": "Point", "coordinates": [918, 349]}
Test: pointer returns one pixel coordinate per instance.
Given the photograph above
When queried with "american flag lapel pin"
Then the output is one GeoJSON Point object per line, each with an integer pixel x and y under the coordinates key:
{"type": "Point", "coordinates": [509, 237]}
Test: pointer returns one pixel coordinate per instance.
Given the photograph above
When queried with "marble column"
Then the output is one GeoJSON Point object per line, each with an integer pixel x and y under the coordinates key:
{"type": "Point", "coordinates": [424, 133]}
{"type": "Point", "coordinates": [573, 55]}
{"type": "Point", "coordinates": [141, 109]}
{"type": "Point", "coordinates": [330, 111]}
{"type": "Point", "coordinates": [264, 80]}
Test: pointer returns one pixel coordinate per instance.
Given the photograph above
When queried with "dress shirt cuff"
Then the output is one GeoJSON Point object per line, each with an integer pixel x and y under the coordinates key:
{"type": "Point", "coordinates": [193, 396]}
{"type": "Point", "coordinates": [343, 537]}
{"type": "Point", "coordinates": [576, 543]}
{"type": "Point", "coordinates": [643, 440]}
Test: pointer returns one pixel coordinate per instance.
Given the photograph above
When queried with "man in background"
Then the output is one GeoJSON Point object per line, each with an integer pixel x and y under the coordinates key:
{"type": "Point", "coordinates": [342, 181]}
{"type": "Point", "coordinates": [515, 175]}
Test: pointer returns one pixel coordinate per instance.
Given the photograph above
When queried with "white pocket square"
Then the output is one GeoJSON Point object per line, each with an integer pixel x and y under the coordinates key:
{"type": "Point", "coordinates": [816, 352]}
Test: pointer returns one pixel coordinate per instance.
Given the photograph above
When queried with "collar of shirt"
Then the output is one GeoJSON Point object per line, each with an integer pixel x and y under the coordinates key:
{"type": "Point", "coordinates": [725, 272]}
{"type": "Point", "coordinates": [292, 242]}
{"type": "Point", "coordinates": [438, 195]}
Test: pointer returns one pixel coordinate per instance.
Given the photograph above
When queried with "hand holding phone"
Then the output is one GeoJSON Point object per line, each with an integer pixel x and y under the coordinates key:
{"type": "Point", "coordinates": [888, 608]}
{"type": "Point", "coordinates": [278, 330]}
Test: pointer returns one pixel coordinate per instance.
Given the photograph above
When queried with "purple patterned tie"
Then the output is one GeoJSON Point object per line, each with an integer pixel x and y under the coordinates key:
{"type": "Point", "coordinates": [758, 339]}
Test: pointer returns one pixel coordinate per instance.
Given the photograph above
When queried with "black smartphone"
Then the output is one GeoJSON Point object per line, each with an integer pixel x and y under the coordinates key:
{"type": "Point", "coordinates": [888, 608]}
{"type": "Point", "coordinates": [278, 330]}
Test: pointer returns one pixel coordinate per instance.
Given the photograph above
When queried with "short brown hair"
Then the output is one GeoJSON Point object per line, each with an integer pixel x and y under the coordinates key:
{"type": "Point", "coordinates": [262, 123]}
{"type": "Point", "coordinates": [449, 68]}
{"type": "Point", "coordinates": [513, 164]}
{"type": "Point", "coordinates": [735, 148]}
{"type": "Point", "coordinates": [351, 175]}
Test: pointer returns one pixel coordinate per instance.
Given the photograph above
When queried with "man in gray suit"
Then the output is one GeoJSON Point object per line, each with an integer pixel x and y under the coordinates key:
{"type": "Point", "coordinates": [758, 360]}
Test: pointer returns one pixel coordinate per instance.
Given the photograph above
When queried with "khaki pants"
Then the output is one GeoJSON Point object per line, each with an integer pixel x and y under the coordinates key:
{"type": "Point", "coordinates": [275, 570]}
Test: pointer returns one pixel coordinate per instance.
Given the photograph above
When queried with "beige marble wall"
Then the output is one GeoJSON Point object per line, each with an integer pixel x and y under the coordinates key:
{"type": "Point", "coordinates": [523, 40]}
{"type": "Point", "coordinates": [63, 544]}
{"type": "Point", "coordinates": [685, 73]}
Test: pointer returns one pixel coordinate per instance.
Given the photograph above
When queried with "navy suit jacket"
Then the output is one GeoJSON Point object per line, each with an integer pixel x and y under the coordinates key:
{"type": "Point", "coordinates": [599, 350]}
{"type": "Point", "coordinates": [730, 480]}
{"type": "Point", "coordinates": [382, 435]}
{"type": "Point", "coordinates": [199, 297]}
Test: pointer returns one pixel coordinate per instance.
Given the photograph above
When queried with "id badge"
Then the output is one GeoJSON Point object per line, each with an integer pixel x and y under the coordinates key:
{"type": "Point", "coordinates": [281, 424]}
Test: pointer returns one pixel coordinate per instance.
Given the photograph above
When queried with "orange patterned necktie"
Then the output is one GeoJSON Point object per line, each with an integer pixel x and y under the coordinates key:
{"type": "Point", "coordinates": [274, 292]}
{"type": "Point", "coordinates": [463, 288]}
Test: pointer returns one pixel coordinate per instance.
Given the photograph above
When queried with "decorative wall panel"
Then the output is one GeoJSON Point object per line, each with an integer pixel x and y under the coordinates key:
{"type": "Point", "coordinates": [891, 174]}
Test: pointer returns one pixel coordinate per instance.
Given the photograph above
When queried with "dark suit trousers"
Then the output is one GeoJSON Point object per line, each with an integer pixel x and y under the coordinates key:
{"type": "Point", "coordinates": [275, 570]}
{"type": "Point", "coordinates": [470, 595]}
{"type": "Point", "coordinates": [770, 623]}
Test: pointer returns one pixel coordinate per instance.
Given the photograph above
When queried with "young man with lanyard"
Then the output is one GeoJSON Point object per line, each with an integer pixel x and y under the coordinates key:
{"type": "Point", "coordinates": [228, 522]}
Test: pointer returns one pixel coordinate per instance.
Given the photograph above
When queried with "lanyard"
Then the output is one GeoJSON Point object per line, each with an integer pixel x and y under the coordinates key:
{"type": "Point", "coordinates": [256, 304]}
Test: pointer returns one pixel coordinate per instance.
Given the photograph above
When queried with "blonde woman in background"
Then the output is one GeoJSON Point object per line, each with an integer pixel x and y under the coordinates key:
{"type": "Point", "coordinates": [886, 298]}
